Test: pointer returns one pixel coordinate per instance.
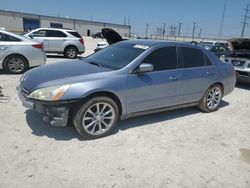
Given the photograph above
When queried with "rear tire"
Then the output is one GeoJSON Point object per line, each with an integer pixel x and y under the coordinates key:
{"type": "Point", "coordinates": [71, 52]}
{"type": "Point", "coordinates": [212, 99]}
{"type": "Point", "coordinates": [15, 64]}
{"type": "Point", "coordinates": [96, 118]}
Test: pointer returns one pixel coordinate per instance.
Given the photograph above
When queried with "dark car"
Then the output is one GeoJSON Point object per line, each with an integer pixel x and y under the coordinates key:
{"type": "Point", "coordinates": [111, 37]}
{"type": "Point", "coordinates": [217, 50]}
{"type": "Point", "coordinates": [240, 58]}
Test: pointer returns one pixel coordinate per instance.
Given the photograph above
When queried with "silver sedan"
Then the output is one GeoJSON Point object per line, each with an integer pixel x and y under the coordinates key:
{"type": "Point", "coordinates": [18, 53]}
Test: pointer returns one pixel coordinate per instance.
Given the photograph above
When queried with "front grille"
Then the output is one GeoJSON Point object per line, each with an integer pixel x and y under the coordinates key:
{"type": "Point", "coordinates": [24, 92]}
{"type": "Point", "coordinates": [238, 63]}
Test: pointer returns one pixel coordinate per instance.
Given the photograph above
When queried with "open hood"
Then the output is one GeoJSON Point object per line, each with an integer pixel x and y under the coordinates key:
{"type": "Point", "coordinates": [111, 36]}
{"type": "Point", "coordinates": [240, 44]}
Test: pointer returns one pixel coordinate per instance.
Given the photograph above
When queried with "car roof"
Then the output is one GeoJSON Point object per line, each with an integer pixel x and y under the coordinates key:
{"type": "Point", "coordinates": [56, 29]}
{"type": "Point", "coordinates": [150, 43]}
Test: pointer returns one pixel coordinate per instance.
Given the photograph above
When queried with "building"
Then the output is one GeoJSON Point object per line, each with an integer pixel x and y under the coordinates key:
{"type": "Point", "coordinates": [22, 22]}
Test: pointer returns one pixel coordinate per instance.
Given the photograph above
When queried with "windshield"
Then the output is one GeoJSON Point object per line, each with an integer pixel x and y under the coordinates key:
{"type": "Point", "coordinates": [116, 56]}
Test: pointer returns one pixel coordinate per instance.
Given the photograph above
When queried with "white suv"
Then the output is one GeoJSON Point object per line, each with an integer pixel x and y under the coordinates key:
{"type": "Point", "coordinates": [65, 41]}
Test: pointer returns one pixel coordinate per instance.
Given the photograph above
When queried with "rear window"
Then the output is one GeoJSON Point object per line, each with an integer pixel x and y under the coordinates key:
{"type": "Point", "coordinates": [75, 34]}
{"type": "Point", "coordinates": [8, 38]}
{"type": "Point", "coordinates": [192, 57]}
{"type": "Point", "coordinates": [54, 33]}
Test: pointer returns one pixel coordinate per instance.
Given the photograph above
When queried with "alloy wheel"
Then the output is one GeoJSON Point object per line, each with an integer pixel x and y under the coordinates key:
{"type": "Point", "coordinates": [214, 97]}
{"type": "Point", "coordinates": [16, 65]}
{"type": "Point", "coordinates": [98, 118]}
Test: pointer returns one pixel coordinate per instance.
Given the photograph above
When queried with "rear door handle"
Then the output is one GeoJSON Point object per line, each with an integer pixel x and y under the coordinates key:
{"type": "Point", "coordinates": [3, 47]}
{"type": "Point", "coordinates": [173, 78]}
{"type": "Point", "coordinates": [209, 73]}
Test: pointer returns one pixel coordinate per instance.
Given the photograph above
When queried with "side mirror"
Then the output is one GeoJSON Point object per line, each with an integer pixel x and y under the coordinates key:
{"type": "Point", "coordinates": [31, 36]}
{"type": "Point", "coordinates": [144, 67]}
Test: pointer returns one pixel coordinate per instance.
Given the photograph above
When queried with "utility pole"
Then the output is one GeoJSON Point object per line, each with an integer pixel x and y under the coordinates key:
{"type": "Point", "coordinates": [200, 33]}
{"type": "Point", "coordinates": [179, 29]}
{"type": "Point", "coordinates": [194, 26]}
{"type": "Point", "coordinates": [124, 21]}
{"type": "Point", "coordinates": [164, 29]}
{"type": "Point", "coordinates": [129, 20]}
{"type": "Point", "coordinates": [146, 34]}
{"type": "Point", "coordinates": [222, 22]}
{"type": "Point", "coordinates": [245, 20]}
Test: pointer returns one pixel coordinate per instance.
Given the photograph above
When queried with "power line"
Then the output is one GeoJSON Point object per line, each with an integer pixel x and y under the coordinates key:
{"type": "Point", "coordinates": [245, 20]}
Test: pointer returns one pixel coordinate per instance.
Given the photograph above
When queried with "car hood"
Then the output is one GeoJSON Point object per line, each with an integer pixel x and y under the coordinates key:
{"type": "Point", "coordinates": [240, 44]}
{"type": "Point", "coordinates": [59, 73]}
{"type": "Point", "coordinates": [111, 36]}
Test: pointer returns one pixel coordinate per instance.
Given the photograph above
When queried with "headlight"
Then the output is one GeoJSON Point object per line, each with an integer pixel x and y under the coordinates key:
{"type": "Point", "coordinates": [53, 93]}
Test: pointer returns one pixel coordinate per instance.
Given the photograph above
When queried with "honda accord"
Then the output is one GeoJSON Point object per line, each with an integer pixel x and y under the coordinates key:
{"type": "Point", "coordinates": [126, 79]}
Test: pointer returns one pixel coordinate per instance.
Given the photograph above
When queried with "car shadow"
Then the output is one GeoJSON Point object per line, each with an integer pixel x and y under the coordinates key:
{"type": "Point", "coordinates": [242, 85]}
{"type": "Point", "coordinates": [40, 128]}
{"type": "Point", "coordinates": [159, 117]}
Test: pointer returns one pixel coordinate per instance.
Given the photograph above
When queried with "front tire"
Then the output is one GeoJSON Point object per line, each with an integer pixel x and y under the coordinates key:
{"type": "Point", "coordinates": [212, 99]}
{"type": "Point", "coordinates": [71, 52]}
{"type": "Point", "coordinates": [15, 64]}
{"type": "Point", "coordinates": [96, 118]}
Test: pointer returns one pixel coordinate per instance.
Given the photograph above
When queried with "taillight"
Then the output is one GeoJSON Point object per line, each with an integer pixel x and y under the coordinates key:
{"type": "Point", "coordinates": [81, 41]}
{"type": "Point", "coordinates": [40, 46]}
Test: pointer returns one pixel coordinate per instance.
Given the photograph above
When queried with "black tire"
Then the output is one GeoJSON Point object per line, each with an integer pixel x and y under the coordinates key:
{"type": "Point", "coordinates": [96, 113]}
{"type": "Point", "coordinates": [15, 64]}
{"type": "Point", "coordinates": [212, 99]}
{"type": "Point", "coordinates": [71, 52]}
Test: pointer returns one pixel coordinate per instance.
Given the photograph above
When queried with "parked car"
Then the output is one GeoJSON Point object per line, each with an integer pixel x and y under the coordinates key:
{"type": "Point", "coordinates": [240, 58]}
{"type": "Point", "coordinates": [111, 37]}
{"type": "Point", "coordinates": [18, 53]}
{"type": "Point", "coordinates": [62, 41]}
{"type": "Point", "coordinates": [126, 79]}
{"type": "Point", "coordinates": [220, 50]}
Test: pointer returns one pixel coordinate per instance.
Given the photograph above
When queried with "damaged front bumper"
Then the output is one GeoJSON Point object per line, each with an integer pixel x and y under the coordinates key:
{"type": "Point", "coordinates": [56, 113]}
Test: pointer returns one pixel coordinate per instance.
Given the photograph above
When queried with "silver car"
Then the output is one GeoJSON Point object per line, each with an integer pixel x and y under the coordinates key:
{"type": "Point", "coordinates": [126, 79]}
{"type": "Point", "coordinates": [17, 53]}
{"type": "Point", "coordinates": [62, 41]}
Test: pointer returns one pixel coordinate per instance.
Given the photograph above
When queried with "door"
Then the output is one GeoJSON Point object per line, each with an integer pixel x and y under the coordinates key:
{"type": "Point", "coordinates": [56, 40]}
{"type": "Point", "coordinates": [6, 42]}
{"type": "Point", "coordinates": [40, 36]}
{"type": "Point", "coordinates": [197, 74]}
{"type": "Point", "coordinates": [158, 88]}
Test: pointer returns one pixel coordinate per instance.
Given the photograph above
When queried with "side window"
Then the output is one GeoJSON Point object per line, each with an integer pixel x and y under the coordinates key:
{"type": "Point", "coordinates": [7, 38]}
{"type": "Point", "coordinates": [192, 57]}
{"type": "Point", "coordinates": [54, 33]}
{"type": "Point", "coordinates": [207, 60]}
{"type": "Point", "coordinates": [40, 33]}
{"type": "Point", "coordinates": [163, 59]}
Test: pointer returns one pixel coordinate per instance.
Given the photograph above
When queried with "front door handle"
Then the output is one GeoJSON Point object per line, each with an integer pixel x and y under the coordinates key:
{"type": "Point", "coordinates": [173, 78]}
{"type": "Point", "coordinates": [209, 73]}
{"type": "Point", "coordinates": [3, 47]}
